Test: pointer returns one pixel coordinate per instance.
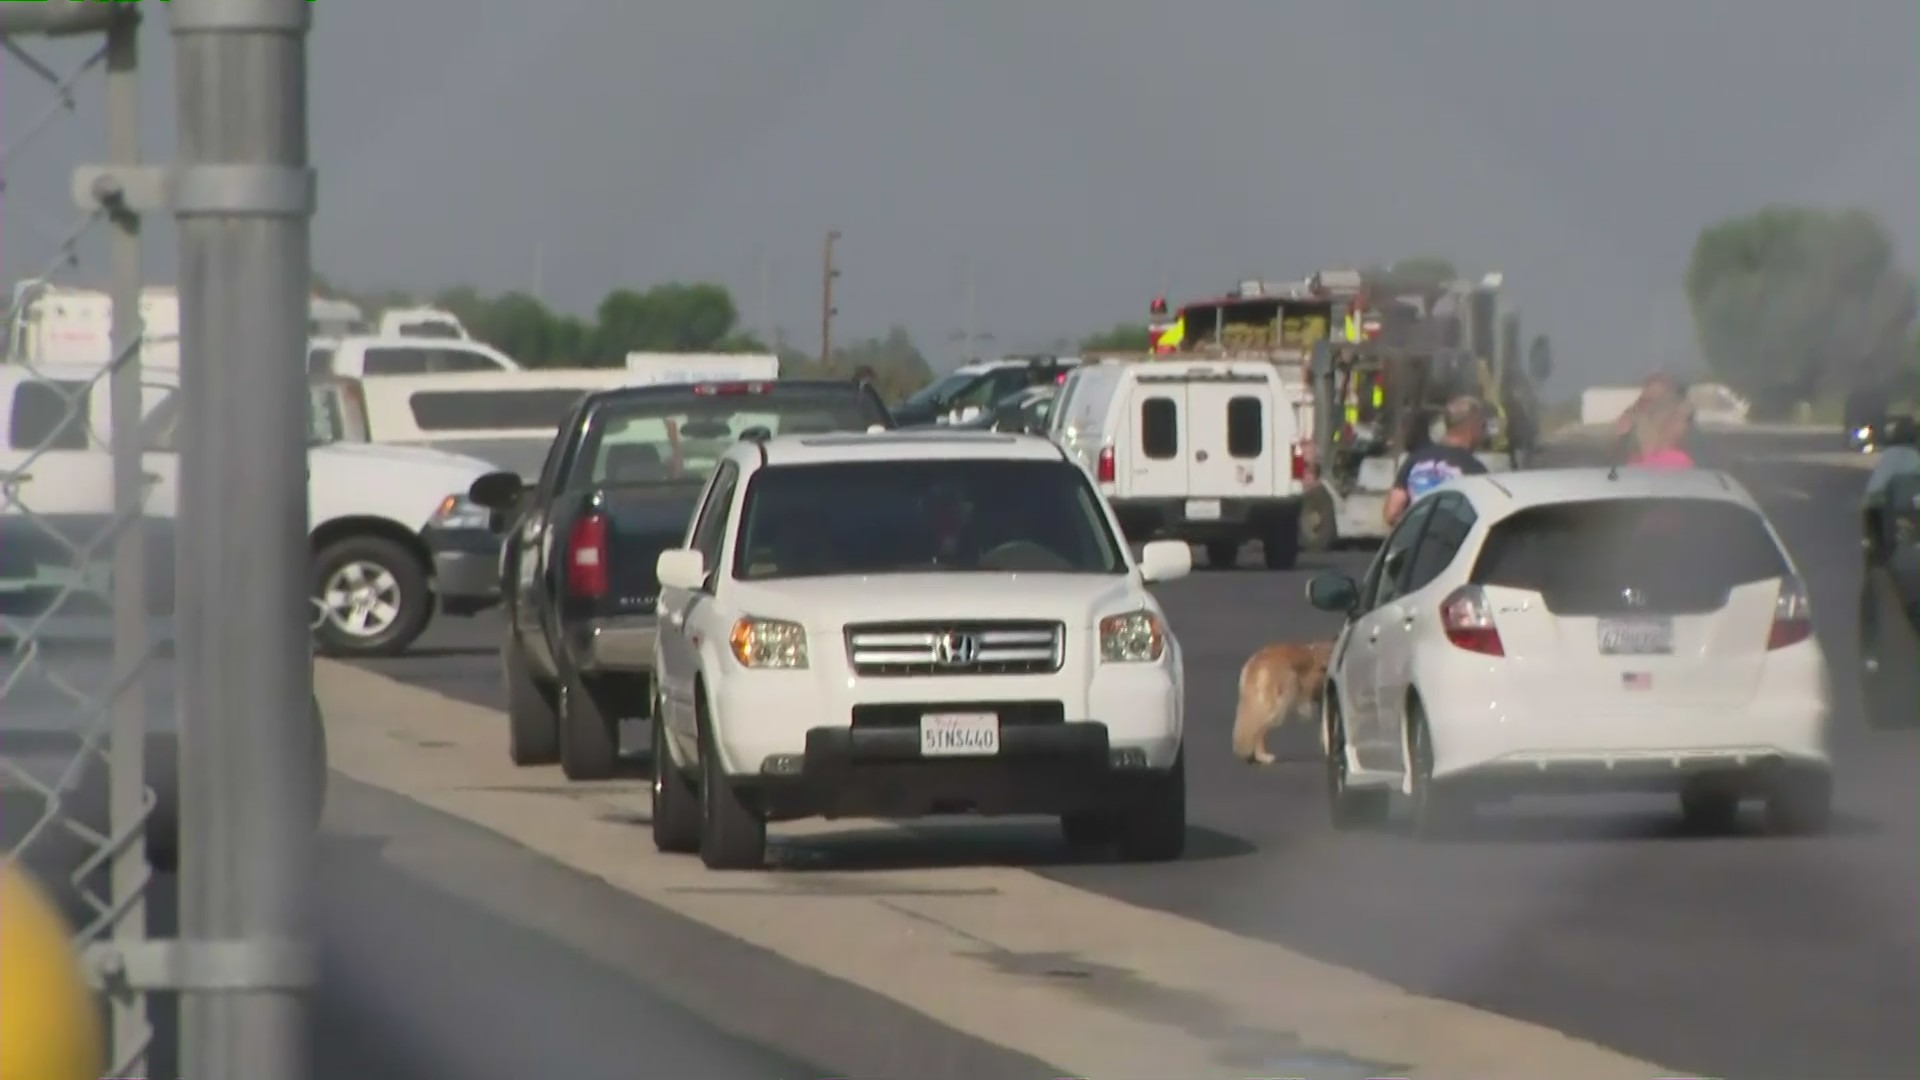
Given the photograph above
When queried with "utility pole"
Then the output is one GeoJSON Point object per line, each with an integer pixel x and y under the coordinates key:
{"type": "Point", "coordinates": [828, 272]}
{"type": "Point", "coordinates": [766, 298]}
{"type": "Point", "coordinates": [972, 330]}
{"type": "Point", "coordinates": [540, 268]}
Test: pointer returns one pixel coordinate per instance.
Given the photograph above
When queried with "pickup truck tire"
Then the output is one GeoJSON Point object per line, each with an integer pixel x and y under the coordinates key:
{"type": "Point", "coordinates": [1154, 829]}
{"type": "Point", "coordinates": [533, 725]}
{"type": "Point", "coordinates": [589, 743]}
{"type": "Point", "coordinates": [1223, 554]}
{"type": "Point", "coordinates": [390, 575]}
{"type": "Point", "coordinates": [732, 835]}
{"type": "Point", "coordinates": [676, 804]}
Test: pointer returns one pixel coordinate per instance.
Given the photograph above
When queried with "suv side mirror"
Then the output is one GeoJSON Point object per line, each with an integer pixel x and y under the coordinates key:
{"type": "Point", "coordinates": [681, 568]}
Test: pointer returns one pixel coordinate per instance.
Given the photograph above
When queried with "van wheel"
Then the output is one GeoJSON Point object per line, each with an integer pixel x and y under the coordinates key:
{"type": "Point", "coordinates": [1281, 545]}
{"type": "Point", "coordinates": [1223, 554]}
{"type": "Point", "coordinates": [732, 835]}
{"type": "Point", "coordinates": [588, 746]}
{"type": "Point", "coordinates": [373, 596]}
{"type": "Point", "coordinates": [533, 725]}
{"type": "Point", "coordinates": [1319, 527]}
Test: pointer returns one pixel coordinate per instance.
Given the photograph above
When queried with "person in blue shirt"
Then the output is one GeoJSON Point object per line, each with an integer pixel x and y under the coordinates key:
{"type": "Point", "coordinates": [1898, 457]}
{"type": "Point", "coordinates": [1443, 459]}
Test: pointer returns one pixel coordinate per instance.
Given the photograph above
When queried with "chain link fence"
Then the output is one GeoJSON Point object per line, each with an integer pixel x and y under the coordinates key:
{"type": "Point", "coordinates": [74, 728]}
{"type": "Point", "coordinates": [119, 404]}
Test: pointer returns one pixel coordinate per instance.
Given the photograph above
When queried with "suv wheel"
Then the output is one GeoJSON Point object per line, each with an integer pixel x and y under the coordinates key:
{"type": "Point", "coordinates": [373, 598]}
{"type": "Point", "coordinates": [1223, 554]}
{"type": "Point", "coordinates": [533, 726]}
{"type": "Point", "coordinates": [589, 746]}
{"type": "Point", "coordinates": [732, 835]}
{"type": "Point", "coordinates": [1154, 829]}
{"type": "Point", "coordinates": [676, 805]}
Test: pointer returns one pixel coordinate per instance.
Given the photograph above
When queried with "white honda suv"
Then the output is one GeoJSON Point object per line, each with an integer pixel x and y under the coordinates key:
{"type": "Point", "coordinates": [901, 624]}
{"type": "Point", "coordinates": [1578, 630]}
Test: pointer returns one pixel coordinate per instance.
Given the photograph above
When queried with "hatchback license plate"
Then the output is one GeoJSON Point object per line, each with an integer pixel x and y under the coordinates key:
{"type": "Point", "coordinates": [959, 735]}
{"type": "Point", "coordinates": [1203, 509]}
{"type": "Point", "coordinates": [1636, 637]}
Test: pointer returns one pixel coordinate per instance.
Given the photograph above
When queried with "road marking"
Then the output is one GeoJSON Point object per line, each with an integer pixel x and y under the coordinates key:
{"type": "Point", "coordinates": [1092, 985]}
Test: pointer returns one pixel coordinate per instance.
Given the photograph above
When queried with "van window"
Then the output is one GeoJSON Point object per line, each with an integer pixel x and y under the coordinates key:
{"type": "Point", "coordinates": [392, 361]}
{"type": "Point", "coordinates": [320, 360]}
{"type": "Point", "coordinates": [1159, 428]}
{"type": "Point", "coordinates": [1245, 418]}
{"type": "Point", "coordinates": [492, 410]}
{"type": "Point", "coordinates": [460, 360]}
{"type": "Point", "coordinates": [49, 415]}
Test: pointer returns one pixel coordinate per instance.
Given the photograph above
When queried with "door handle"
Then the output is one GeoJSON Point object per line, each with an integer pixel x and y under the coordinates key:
{"type": "Point", "coordinates": [1406, 621]}
{"type": "Point", "coordinates": [154, 477]}
{"type": "Point", "coordinates": [1373, 636]}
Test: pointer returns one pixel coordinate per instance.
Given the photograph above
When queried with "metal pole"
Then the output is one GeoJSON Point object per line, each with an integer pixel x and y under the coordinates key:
{"type": "Point", "coordinates": [828, 271]}
{"type": "Point", "coordinates": [973, 317]}
{"type": "Point", "coordinates": [127, 765]}
{"type": "Point", "coordinates": [243, 195]}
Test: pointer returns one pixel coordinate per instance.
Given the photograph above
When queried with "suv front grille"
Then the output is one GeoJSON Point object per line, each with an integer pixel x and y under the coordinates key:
{"type": "Point", "coordinates": [893, 650]}
{"type": "Point", "coordinates": [1011, 713]}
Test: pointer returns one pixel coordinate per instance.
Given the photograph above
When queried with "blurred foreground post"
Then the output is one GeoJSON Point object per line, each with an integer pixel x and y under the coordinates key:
{"type": "Point", "coordinates": [243, 196]}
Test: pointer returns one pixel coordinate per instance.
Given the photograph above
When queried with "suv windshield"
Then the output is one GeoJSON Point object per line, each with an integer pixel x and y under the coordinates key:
{"type": "Point", "coordinates": [1631, 556]}
{"type": "Point", "coordinates": [903, 517]}
{"type": "Point", "coordinates": [680, 436]}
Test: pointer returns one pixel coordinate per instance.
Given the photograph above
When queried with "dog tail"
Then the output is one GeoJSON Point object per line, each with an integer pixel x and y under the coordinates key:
{"type": "Point", "coordinates": [1250, 714]}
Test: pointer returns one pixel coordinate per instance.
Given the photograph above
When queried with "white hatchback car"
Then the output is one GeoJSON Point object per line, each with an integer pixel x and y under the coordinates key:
{"type": "Point", "coordinates": [906, 623]}
{"type": "Point", "coordinates": [1578, 630]}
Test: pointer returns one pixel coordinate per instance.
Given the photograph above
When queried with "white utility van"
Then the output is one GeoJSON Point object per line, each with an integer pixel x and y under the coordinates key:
{"type": "Point", "coordinates": [372, 576]}
{"type": "Point", "coordinates": [1211, 452]}
{"type": "Point", "coordinates": [354, 357]}
{"type": "Point", "coordinates": [57, 324]}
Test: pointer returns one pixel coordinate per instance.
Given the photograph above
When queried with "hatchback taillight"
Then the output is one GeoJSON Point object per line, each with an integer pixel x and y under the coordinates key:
{"type": "Point", "coordinates": [1467, 619]}
{"type": "Point", "coordinates": [1103, 468]}
{"type": "Point", "coordinates": [587, 558]}
{"type": "Point", "coordinates": [1792, 615]}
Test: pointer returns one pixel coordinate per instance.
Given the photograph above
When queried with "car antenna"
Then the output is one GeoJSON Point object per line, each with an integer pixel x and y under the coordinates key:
{"type": "Point", "coordinates": [1614, 472]}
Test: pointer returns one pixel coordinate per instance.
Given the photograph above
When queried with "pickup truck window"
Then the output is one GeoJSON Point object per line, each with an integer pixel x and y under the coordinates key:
{"type": "Point", "coordinates": [904, 517]}
{"type": "Point", "coordinates": [682, 436]}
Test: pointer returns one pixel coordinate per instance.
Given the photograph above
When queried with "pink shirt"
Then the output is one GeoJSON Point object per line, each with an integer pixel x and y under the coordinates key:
{"type": "Point", "coordinates": [1664, 460]}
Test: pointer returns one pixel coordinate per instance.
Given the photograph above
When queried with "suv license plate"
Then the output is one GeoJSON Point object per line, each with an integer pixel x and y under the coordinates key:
{"type": "Point", "coordinates": [1636, 637]}
{"type": "Point", "coordinates": [959, 735]}
{"type": "Point", "coordinates": [1203, 509]}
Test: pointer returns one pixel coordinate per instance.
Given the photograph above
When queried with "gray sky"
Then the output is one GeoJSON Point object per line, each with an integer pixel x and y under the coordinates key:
{"type": "Point", "coordinates": [1081, 153]}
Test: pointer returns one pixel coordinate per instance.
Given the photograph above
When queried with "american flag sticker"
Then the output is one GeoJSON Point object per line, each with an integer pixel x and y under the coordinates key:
{"type": "Point", "coordinates": [1636, 680]}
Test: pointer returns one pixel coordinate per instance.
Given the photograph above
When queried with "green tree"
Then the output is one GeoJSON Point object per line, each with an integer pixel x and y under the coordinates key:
{"type": "Point", "coordinates": [675, 317]}
{"type": "Point", "coordinates": [1120, 337]}
{"type": "Point", "coordinates": [1790, 302]}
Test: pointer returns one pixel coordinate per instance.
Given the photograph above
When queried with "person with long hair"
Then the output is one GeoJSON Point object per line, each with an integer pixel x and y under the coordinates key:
{"type": "Point", "coordinates": [1660, 436]}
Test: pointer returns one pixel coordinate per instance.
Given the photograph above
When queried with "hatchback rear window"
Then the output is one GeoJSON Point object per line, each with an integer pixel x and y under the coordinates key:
{"type": "Point", "coordinates": [1631, 556]}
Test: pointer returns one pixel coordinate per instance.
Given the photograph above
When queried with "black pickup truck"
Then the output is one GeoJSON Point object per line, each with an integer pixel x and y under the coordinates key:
{"type": "Point", "coordinates": [1890, 591]}
{"type": "Point", "coordinates": [577, 584]}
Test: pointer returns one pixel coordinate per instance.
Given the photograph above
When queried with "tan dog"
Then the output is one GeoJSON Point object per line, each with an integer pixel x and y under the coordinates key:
{"type": "Point", "coordinates": [1277, 683]}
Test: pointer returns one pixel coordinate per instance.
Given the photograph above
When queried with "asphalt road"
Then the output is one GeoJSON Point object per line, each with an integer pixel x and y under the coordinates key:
{"type": "Point", "coordinates": [1735, 956]}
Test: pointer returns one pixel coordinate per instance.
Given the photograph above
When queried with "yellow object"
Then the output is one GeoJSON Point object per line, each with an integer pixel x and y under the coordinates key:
{"type": "Point", "coordinates": [1352, 328]}
{"type": "Point", "coordinates": [49, 1023]}
{"type": "Point", "coordinates": [1175, 335]}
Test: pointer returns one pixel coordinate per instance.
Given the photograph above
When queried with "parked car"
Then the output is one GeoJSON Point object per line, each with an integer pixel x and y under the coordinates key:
{"type": "Point", "coordinates": [576, 572]}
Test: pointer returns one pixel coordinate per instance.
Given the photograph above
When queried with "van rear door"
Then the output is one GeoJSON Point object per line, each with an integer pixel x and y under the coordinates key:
{"type": "Point", "coordinates": [1229, 426]}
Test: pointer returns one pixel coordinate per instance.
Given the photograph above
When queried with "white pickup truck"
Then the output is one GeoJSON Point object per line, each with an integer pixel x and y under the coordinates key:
{"type": "Point", "coordinates": [371, 573]}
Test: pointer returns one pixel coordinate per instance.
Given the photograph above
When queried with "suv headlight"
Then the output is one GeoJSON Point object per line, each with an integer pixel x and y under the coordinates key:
{"type": "Point", "coordinates": [460, 512]}
{"type": "Point", "coordinates": [769, 644]}
{"type": "Point", "coordinates": [1136, 637]}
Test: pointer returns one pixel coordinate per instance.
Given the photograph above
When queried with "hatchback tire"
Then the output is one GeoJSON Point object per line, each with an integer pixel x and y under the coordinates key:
{"type": "Point", "coordinates": [1348, 807]}
{"type": "Point", "coordinates": [1436, 813]}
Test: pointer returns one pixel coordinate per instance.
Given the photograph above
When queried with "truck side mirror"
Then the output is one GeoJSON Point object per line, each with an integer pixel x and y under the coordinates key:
{"type": "Point", "coordinates": [1540, 359]}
